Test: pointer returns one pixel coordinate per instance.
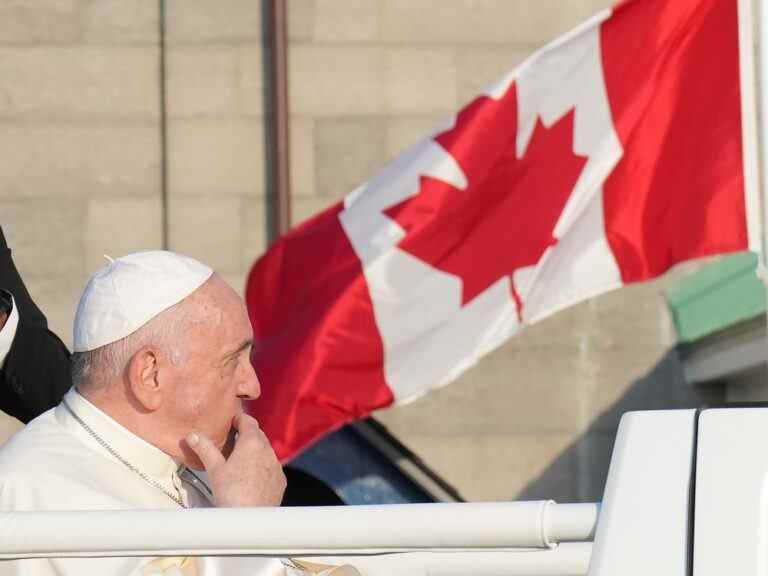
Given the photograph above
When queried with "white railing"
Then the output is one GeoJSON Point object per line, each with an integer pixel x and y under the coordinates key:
{"type": "Point", "coordinates": [483, 538]}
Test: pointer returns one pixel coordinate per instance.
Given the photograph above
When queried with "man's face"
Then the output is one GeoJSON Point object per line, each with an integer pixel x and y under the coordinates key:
{"type": "Point", "coordinates": [214, 373]}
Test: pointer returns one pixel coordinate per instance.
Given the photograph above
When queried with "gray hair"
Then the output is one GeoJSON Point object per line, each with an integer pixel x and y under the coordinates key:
{"type": "Point", "coordinates": [96, 368]}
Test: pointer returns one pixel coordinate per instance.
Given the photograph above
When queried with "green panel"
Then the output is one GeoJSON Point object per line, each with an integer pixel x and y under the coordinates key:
{"type": "Point", "coordinates": [717, 296]}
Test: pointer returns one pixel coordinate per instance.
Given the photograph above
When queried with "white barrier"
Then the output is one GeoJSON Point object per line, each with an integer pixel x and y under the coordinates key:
{"type": "Point", "coordinates": [570, 559]}
{"type": "Point", "coordinates": [356, 530]}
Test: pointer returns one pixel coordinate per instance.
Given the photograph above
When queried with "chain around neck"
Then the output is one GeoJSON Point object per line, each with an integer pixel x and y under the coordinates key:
{"type": "Point", "coordinates": [104, 444]}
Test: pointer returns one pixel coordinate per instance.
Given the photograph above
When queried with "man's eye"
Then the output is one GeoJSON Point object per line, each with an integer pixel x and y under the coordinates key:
{"type": "Point", "coordinates": [245, 357]}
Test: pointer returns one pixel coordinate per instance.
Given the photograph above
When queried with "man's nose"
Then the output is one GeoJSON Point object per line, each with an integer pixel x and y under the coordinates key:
{"type": "Point", "coordinates": [249, 387]}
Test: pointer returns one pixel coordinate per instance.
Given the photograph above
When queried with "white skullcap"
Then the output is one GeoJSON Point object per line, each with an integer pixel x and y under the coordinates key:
{"type": "Point", "coordinates": [127, 293]}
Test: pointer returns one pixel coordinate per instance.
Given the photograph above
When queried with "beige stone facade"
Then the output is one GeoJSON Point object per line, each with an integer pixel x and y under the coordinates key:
{"type": "Point", "coordinates": [82, 127]}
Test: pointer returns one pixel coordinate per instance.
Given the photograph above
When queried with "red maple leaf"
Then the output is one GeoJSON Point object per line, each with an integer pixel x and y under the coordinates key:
{"type": "Point", "coordinates": [504, 219]}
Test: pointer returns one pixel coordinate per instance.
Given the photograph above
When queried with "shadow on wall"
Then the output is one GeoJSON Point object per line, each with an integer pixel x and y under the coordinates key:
{"type": "Point", "coordinates": [579, 473]}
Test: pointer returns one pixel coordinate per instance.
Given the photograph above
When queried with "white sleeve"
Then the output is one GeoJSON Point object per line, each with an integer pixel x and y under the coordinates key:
{"type": "Point", "coordinates": [8, 332]}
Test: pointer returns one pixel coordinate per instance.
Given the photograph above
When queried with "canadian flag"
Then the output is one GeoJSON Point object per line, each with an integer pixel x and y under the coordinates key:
{"type": "Point", "coordinates": [612, 154]}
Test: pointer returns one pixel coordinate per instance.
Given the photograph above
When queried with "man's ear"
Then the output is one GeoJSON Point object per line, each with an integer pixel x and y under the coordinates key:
{"type": "Point", "coordinates": [144, 379]}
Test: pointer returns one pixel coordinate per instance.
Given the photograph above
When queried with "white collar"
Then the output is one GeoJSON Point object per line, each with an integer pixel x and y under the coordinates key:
{"type": "Point", "coordinates": [140, 453]}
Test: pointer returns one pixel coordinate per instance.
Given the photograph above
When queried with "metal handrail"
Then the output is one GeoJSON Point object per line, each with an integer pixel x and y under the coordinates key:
{"type": "Point", "coordinates": [297, 531]}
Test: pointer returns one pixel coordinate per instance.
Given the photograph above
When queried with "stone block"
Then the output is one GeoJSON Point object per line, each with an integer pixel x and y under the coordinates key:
{"type": "Point", "coordinates": [348, 152]}
{"type": "Point", "coordinates": [203, 81]}
{"type": "Point", "coordinates": [203, 21]}
{"type": "Point", "coordinates": [437, 21]}
{"type": "Point", "coordinates": [302, 144]}
{"type": "Point", "coordinates": [479, 68]}
{"type": "Point", "coordinates": [556, 474]}
{"type": "Point", "coordinates": [72, 160]}
{"type": "Point", "coordinates": [631, 319]}
{"type": "Point", "coordinates": [420, 81]}
{"type": "Point", "coordinates": [621, 382]}
{"type": "Point", "coordinates": [336, 80]}
{"type": "Point", "coordinates": [208, 228]}
{"type": "Point", "coordinates": [482, 21]}
{"type": "Point", "coordinates": [120, 22]}
{"type": "Point", "coordinates": [301, 19]}
{"type": "Point", "coordinates": [93, 82]}
{"type": "Point", "coordinates": [254, 230]}
{"type": "Point", "coordinates": [57, 296]}
{"type": "Point", "coordinates": [641, 306]}
{"type": "Point", "coordinates": [118, 226]}
{"type": "Point", "coordinates": [634, 319]}
{"type": "Point", "coordinates": [404, 131]}
{"type": "Point", "coordinates": [251, 80]}
{"type": "Point", "coordinates": [568, 331]}
{"type": "Point", "coordinates": [39, 22]}
{"type": "Point", "coordinates": [346, 20]}
{"type": "Point", "coordinates": [45, 234]}
{"type": "Point", "coordinates": [510, 391]}
{"type": "Point", "coordinates": [216, 156]}
{"type": "Point", "coordinates": [500, 467]}
{"type": "Point", "coordinates": [620, 385]}
{"type": "Point", "coordinates": [305, 207]}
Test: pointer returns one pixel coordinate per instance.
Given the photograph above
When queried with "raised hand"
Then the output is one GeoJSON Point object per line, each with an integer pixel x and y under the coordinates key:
{"type": "Point", "coordinates": [250, 476]}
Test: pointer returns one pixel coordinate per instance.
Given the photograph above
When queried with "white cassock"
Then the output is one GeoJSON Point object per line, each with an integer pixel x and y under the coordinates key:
{"type": "Point", "coordinates": [54, 463]}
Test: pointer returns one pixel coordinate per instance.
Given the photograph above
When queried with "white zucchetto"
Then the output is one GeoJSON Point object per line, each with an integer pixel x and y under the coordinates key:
{"type": "Point", "coordinates": [127, 293]}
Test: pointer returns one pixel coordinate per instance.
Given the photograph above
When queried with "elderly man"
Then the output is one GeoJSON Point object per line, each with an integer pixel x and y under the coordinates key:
{"type": "Point", "coordinates": [161, 365]}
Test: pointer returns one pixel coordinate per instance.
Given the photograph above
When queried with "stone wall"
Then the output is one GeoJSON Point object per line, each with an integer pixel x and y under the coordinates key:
{"type": "Point", "coordinates": [79, 139]}
{"type": "Point", "coordinates": [80, 135]}
{"type": "Point", "coordinates": [216, 152]}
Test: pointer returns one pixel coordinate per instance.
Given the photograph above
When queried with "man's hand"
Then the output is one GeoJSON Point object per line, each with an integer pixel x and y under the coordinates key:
{"type": "Point", "coordinates": [250, 476]}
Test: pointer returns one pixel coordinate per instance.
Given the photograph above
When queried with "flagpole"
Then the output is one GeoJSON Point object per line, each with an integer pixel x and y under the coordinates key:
{"type": "Point", "coordinates": [760, 138]}
{"type": "Point", "coordinates": [751, 132]}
